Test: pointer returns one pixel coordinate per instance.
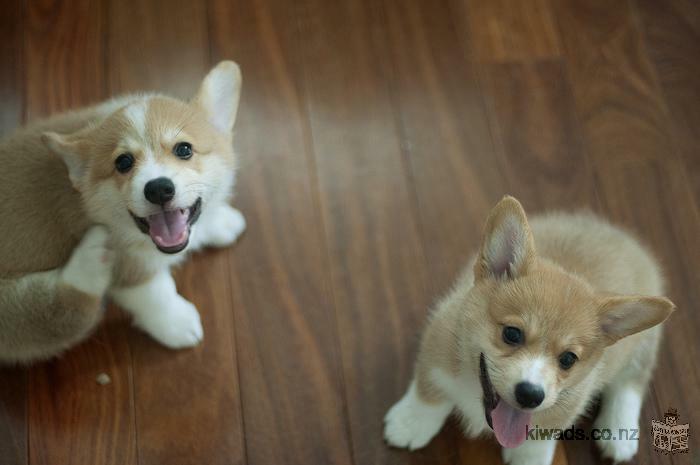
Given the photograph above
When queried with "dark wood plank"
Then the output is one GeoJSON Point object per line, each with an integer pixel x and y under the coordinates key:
{"type": "Point", "coordinates": [187, 402]}
{"type": "Point", "coordinates": [457, 172]}
{"type": "Point", "coordinates": [13, 388]}
{"type": "Point", "coordinates": [533, 122]}
{"type": "Point", "coordinates": [73, 419]}
{"type": "Point", "coordinates": [506, 31]}
{"type": "Point", "coordinates": [672, 32]}
{"type": "Point", "coordinates": [291, 376]}
{"type": "Point", "coordinates": [12, 72]}
{"type": "Point", "coordinates": [64, 49]}
{"type": "Point", "coordinates": [639, 179]}
{"type": "Point", "coordinates": [367, 202]}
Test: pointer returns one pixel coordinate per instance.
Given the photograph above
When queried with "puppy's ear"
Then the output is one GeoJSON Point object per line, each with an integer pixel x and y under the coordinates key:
{"type": "Point", "coordinates": [69, 151]}
{"type": "Point", "coordinates": [508, 248]}
{"type": "Point", "coordinates": [219, 94]}
{"type": "Point", "coordinates": [622, 316]}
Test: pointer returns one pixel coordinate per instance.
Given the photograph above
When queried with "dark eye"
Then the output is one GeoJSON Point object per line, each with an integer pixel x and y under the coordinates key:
{"type": "Point", "coordinates": [567, 360]}
{"type": "Point", "coordinates": [512, 335]}
{"type": "Point", "coordinates": [183, 150]}
{"type": "Point", "coordinates": [124, 162]}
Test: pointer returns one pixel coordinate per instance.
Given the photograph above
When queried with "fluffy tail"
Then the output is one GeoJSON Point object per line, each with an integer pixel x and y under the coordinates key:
{"type": "Point", "coordinates": [44, 313]}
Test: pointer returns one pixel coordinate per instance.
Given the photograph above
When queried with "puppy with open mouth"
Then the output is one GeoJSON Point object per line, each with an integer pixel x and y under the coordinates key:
{"type": "Point", "coordinates": [102, 202]}
{"type": "Point", "coordinates": [548, 314]}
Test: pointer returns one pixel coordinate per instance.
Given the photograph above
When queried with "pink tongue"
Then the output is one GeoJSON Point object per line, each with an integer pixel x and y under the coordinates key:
{"type": "Point", "coordinates": [168, 229]}
{"type": "Point", "coordinates": [509, 424]}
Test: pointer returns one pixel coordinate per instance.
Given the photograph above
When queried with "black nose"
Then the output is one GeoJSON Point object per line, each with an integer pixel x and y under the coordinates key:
{"type": "Point", "coordinates": [159, 190]}
{"type": "Point", "coordinates": [529, 395]}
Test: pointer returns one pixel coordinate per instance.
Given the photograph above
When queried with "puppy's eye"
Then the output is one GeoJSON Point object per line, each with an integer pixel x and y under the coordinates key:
{"type": "Point", "coordinates": [513, 335]}
{"type": "Point", "coordinates": [567, 360]}
{"type": "Point", "coordinates": [124, 162]}
{"type": "Point", "coordinates": [183, 150]}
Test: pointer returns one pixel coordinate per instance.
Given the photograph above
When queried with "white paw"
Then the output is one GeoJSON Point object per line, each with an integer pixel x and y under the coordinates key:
{"type": "Point", "coordinates": [178, 326]}
{"type": "Point", "coordinates": [89, 268]}
{"type": "Point", "coordinates": [619, 420]}
{"type": "Point", "coordinates": [412, 423]}
{"type": "Point", "coordinates": [224, 227]}
{"type": "Point", "coordinates": [620, 450]}
{"type": "Point", "coordinates": [617, 449]}
{"type": "Point", "coordinates": [530, 453]}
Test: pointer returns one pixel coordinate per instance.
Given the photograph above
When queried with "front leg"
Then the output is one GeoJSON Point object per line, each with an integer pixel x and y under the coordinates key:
{"type": "Point", "coordinates": [219, 226]}
{"type": "Point", "coordinates": [161, 312]}
{"type": "Point", "coordinates": [414, 420]}
{"type": "Point", "coordinates": [531, 452]}
{"type": "Point", "coordinates": [619, 413]}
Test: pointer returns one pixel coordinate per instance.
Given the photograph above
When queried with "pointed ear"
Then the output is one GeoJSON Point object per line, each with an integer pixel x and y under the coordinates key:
{"type": "Point", "coordinates": [219, 95]}
{"type": "Point", "coordinates": [622, 316]}
{"type": "Point", "coordinates": [508, 248]}
{"type": "Point", "coordinates": [68, 150]}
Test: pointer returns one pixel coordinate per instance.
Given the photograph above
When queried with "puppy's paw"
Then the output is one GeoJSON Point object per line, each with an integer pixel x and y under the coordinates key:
{"type": "Point", "coordinates": [226, 225]}
{"type": "Point", "coordinates": [178, 326]}
{"type": "Point", "coordinates": [617, 449]}
{"type": "Point", "coordinates": [411, 423]}
{"type": "Point", "coordinates": [620, 450]}
{"type": "Point", "coordinates": [89, 268]}
{"type": "Point", "coordinates": [619, 418]}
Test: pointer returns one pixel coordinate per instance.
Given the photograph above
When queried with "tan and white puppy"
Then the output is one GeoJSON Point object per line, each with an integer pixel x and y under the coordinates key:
{"type": "Point", "coordinates": [102, 202]}
{"type": "Point", "coordinates": [547, 315]}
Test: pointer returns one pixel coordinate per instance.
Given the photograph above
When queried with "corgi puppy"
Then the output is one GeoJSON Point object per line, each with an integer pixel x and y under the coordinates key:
{"type": "Point", "coordinates": [547, 315]}
{"type": "Point", "coordinates": [102, 202]}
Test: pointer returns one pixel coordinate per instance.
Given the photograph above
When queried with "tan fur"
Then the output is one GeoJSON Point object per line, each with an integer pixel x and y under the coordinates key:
{"type": "Point", "coordinates": [59, 179]}
{"type": "Point", "coordinates": [574, 270]}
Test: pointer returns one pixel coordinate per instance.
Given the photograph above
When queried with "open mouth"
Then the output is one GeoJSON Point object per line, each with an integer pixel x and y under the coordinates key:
{"type": "Point", "coordinates": [170, 229]}
{"type": "Point", "coordinates": [508, 423]}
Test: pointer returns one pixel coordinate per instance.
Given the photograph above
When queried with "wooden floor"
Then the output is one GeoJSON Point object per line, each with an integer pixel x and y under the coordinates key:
{"type": "Point", "coordinates": [375, 136]}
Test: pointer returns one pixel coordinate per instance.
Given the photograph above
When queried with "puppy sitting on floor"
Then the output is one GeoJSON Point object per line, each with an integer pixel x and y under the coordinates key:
{"type": "Point", "coordinates": [547, 315]}
{"type": "Point", "coordinates": [102, 202]}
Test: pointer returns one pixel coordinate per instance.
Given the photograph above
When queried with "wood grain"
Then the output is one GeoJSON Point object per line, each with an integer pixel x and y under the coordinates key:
{"type": "Point", "coordinates": [13, 387]}
{"type": "Point", "coordinates": [672, 33]}
{"type": "Point", "coordinates": [187, 402]}
{"type": "Point", "coordinates": [72, 419]}
{"type": "Point", "coordinates": [65, 52]}
{"type": "Point", "coordinates": [11, 74]}
{"type": "Point", "coordinates": [534, 125]}
{"type": "Point", "coordinates": [377, 262]}
{"type": "Point", "coordinates": [508, 31]}
{"type": "Point", "coordinates": [291, 378]}
{"type": "Point", "coordinates": [445, 135]}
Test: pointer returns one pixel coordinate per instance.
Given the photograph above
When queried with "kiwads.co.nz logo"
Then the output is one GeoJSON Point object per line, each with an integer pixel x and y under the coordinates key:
{"type": "Point", "coordinates": [669, 436]}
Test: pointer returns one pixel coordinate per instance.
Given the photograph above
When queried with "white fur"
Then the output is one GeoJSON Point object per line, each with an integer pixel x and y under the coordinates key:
{"type": "Point", "coordinates": [412, 423]}
{"type": "Point", "coordinates": [220, 226]}
{"type": "Point", "coordinates": [620, 409]}
{"type": "Point", "coordinates": [465, 392]}
{"type": "Point", "coordinates": [533, 370]}
{"type": "Point", "coordinates": [90, 266]}
{"type": "Point", "coordinates": [136, 114]}
{"type": "Point", "coordinates": [161, 312]}
{"type": "Point", "coordinates": [539, 452]}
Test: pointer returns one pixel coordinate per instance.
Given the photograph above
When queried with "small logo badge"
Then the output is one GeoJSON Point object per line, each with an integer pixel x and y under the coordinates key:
{"type": "Point", "coordinates": [669, 436]}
